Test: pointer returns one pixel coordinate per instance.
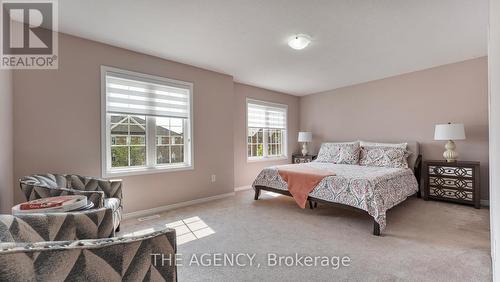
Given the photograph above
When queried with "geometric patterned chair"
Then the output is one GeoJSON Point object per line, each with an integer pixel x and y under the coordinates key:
{"type": "Point", "coordinates": [88, 224]}
{"type": "Point", "coordinates": [34, 252]}
{"type": "Point", "coordinates": [102, 192]}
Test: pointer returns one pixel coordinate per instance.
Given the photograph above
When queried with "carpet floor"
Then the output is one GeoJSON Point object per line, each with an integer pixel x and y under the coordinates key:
{"type": "Point", "coordinates": [423, 241]}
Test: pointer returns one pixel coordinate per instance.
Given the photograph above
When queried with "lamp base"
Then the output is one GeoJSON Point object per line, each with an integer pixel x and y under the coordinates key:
{"type": "Point", "coordinates": [304, 149]}
{"type": "Point", "coordinates": [450, 155]}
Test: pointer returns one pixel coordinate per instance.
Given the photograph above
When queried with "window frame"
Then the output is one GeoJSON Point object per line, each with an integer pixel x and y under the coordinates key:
{"type": "Point", "coordinates": [284, 155]}
{"type": "Point", "coordinates": [151, 166]}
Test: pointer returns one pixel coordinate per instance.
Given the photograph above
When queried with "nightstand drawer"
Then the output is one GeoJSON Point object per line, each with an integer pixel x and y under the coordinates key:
{"type": "Point", "coordinates": [299, 159]}
{"type": "Point", "coordinates": [461, 183]}
{"type": "Point", "coordinates": [451, 194]}
{"type": "Point", "coordinates": [451, 171]}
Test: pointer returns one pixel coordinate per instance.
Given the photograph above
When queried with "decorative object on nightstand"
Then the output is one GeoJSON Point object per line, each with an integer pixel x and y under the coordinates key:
{"type": "Point", "coordinates": [456, 182]}
{"type": "Point", "coordinates": [450, 132]}
{"type": "Point", "coordinates": [304, 137]}
{"type": "Point", "coordinates": [299, 159]}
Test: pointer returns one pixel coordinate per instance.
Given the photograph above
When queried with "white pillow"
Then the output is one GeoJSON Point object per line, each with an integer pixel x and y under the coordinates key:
{"type": "Point", "coordinates": [378, 144]}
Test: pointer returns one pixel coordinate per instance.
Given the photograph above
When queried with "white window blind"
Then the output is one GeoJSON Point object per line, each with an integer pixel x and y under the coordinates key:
{"type": "Point", "coordinates": [266, 115]}
{"type": "Point", "coordinates": [146, 123]}
{"type": "Point", "coordinates": [126, 94]}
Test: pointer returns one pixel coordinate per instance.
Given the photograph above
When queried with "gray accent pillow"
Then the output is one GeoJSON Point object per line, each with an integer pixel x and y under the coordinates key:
{"type": "Point", "coordinates": [389, 156]}
{"type": "Point", "coordinates": [339, 153]}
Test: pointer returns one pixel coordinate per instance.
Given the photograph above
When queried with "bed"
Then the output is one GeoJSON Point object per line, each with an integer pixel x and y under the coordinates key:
{"type": "Point", "coordinates": [374, 190]}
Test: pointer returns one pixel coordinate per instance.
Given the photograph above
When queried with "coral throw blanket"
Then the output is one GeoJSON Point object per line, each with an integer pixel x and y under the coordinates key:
{"type": "Point", "coordinates": [301, 180]}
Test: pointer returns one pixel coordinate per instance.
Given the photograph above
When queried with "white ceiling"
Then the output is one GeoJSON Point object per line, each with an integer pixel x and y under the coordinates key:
{"type": "Point", "coordinates": [354, 41]}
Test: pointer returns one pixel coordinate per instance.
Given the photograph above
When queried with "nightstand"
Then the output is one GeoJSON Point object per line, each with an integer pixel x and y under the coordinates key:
{"type": "Point", "coordinates": [455, 182]}
{"type": "Point", "coordinates": [298, 158]}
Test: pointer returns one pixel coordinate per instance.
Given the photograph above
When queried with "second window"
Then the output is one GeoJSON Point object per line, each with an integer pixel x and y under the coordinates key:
{"type": "Point", "coordinates": [266, 130]}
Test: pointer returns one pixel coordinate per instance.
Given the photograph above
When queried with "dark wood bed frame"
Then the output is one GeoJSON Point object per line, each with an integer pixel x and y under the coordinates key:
{"type": "Point", "coordinates": [313, 202]}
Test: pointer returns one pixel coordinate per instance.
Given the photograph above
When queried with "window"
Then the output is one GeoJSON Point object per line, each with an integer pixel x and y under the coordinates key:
{"type": "Point", "coordinates": [169, 140]}
{"type": "Point", "coordinates": [128, 140]}
{"type": "Point", "coordinates": [147, 122]}
{"type": "Point", "coordinates": [266, 130]}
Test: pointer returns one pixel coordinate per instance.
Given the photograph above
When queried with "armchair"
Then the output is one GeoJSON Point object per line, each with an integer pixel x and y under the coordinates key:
{"type": "Point", "coordinates": [28, 254]}
{"type": "Point", "coordinates": [102, 192]}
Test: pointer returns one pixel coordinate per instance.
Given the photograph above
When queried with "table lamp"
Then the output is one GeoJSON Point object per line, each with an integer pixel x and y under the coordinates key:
{"type": "Point", "coordinates": [305, 137]}
{"type": "Point", "coordinates": [450, 132]}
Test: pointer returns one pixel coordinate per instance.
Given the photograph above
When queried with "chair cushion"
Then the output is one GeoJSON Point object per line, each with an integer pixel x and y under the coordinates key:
{"type": "Point", "coordinates": [112, 203]}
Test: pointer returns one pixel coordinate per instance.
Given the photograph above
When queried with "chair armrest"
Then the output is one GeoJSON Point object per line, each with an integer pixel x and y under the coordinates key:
{"type": "Point", "coordinates": [122, 258]}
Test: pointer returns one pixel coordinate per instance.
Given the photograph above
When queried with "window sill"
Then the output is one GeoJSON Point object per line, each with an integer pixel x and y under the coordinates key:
{"type": "Point", "coordinates": [266, 159]}
{"type": "Point", "coordinates": [142, 170]}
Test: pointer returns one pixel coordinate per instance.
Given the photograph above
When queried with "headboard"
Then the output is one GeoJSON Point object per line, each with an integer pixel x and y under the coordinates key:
{"type": "Point", "coordinates": [415, 162]}
{"type": "Point", "coordinates": [414, 148]}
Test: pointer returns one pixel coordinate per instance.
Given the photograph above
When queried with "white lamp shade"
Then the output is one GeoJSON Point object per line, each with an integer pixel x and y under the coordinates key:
{"type": "Point", "coordinates": [450, 131]}
{"type": "Point", "coordinates": [305, 136]}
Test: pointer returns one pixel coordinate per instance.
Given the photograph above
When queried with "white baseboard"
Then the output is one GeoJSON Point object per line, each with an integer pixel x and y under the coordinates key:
{"type": "Point", "coordinates": [242, 188]}
{"type": "Point", "coordinates": [156, 210]}
{"type": "Point", "coordinates": [485, 203]}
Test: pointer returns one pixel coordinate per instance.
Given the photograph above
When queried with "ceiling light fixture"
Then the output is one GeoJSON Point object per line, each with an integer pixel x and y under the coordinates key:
{"type": "Point", "coordinates": [299, 41]}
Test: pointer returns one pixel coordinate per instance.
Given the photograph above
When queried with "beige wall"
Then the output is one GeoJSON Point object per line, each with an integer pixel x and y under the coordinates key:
{"type": "Point", "coordinates": [57, 123]}
{"type": "Point", "coordinates": [245, 172]}
{"type": "Point", "coordinates": [494, 104]}
{"type": "Point", "coordinates": [6, 141]}
{"type": "Point", "coordinates": [406, 107]}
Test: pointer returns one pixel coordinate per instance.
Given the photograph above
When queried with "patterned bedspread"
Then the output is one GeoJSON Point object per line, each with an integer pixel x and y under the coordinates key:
{"type": "Point", "coordinates": [373, 189]}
